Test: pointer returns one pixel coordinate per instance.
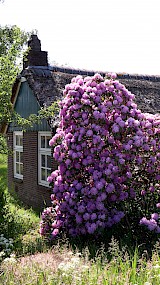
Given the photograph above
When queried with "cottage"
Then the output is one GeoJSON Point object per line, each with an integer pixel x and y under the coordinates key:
{"type": "Point", "coordinates": [40, 85]}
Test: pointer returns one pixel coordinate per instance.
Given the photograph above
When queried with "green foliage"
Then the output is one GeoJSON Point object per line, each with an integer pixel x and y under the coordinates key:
{"type": "Point", "coordinates": [3, 144]}
{"type": "Point", "coordinates": [3, 187]}
{"type": "Point", "coordinates": [12, 40]}
{"type": "Point", "coordinates": [6, 246]}
{"type": "Point", "coordinates": [68, 268]}
{"type": "Point", "coordinates": [44, 113]}
{"type": "Point", "coordinates": [15, 221]}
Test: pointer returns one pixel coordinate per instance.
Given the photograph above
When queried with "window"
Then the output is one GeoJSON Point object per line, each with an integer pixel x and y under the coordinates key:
{"type": "Point", "coordinates": [18, 154]}
{"type": "Point", "coordinates": [44, 153]}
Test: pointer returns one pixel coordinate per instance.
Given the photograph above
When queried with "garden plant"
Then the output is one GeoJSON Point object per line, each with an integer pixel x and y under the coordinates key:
{"type": "Point", "coordinates": [109, 162]}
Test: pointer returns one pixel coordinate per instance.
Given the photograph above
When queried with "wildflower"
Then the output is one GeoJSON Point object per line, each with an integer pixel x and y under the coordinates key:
{"type": "Point", "coordinates": [55, 233]}
{"type": "Point", "coordinates": [143, 192]}
{"type": "Point", "coordinates": [157, 266]}
{"type": "Point", "coordinates": [10, 260]}
{"type": "Point", "coordinates": [155, 216]}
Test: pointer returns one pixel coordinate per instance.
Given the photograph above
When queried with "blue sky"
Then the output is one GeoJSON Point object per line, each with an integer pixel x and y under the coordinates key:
{"type": "Point", "coordinates": [104, 35]}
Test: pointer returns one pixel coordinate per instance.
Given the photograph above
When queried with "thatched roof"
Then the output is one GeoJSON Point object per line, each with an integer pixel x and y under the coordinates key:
{"type": "Point", "coordinates": [146, 90]}
{"type": "Point", "coordinates": [48, 84]}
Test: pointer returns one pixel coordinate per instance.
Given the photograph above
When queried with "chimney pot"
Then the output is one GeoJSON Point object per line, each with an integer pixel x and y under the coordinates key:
{"type": "Point", "coordinates": [34, 43]}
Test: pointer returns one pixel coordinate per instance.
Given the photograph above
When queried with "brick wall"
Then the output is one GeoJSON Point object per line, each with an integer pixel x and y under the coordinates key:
{"type": "Point", "coordinates": [36, 58]}
{"type": "Point", "coordinates": [28, 189]}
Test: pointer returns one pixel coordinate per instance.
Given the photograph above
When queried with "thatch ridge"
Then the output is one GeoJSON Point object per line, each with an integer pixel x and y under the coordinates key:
{"type": "Point", "coordinates": [47, 84]}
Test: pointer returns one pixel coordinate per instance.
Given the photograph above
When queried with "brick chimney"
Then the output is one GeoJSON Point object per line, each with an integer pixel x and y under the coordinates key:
{"type": "Point", "coordinates": [35, 57]}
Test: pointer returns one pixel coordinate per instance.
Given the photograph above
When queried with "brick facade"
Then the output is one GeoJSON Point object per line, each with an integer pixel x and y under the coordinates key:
{"type": "Point", "coordinates": [28, 190]}
{"type": "Point", "coordinates": [35, 56]}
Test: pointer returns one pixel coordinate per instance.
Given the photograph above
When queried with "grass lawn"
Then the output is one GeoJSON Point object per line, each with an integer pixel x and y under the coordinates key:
{"type": "Point", "coordinates": [34, 262]}
{"type": "Point", "coordinates": [3, 171]}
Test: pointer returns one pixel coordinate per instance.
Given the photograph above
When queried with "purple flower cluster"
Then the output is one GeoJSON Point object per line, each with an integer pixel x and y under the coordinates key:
{"type": "Point", "coordinates": [152, 224]}
{"type": "Point", "coordinates": [102, 144]}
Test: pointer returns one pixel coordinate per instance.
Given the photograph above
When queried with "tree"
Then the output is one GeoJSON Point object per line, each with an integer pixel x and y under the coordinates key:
{"type": "Point", "coordinates": [12, 41]}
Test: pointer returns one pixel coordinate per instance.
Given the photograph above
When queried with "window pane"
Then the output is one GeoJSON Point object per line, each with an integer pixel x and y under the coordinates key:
{"type": "Point", "coordinates": [43, 160]}
{"type": "Point", "coordinates": [21, 169]}
{"type": "Point", "coordinates": [17, 168]}
{"type": "Point", "coordinates": [47, 142]}
{"type": "Point", "coordinates": [21, 140]}
{"type": "Point", "coordinates": [48, 161]}
{"type": "Point", "coordinates": [17, 140]}
{"type": "Point", "coordinates": [43, 176]}
{"type": "Point", "coordinates": [21, 157]}
{"type": "Point", "coordinates": [17, 156]}
{"type": "Point", "coordinates": [42, 141]}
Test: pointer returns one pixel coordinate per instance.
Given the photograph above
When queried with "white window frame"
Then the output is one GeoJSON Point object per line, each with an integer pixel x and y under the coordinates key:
{"type": "Point", "coordinates": [19, 149]}
{"type": "Point", "coordinates": [43, 151]}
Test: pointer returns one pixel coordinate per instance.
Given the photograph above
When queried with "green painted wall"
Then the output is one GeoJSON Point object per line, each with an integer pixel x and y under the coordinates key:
{"type": "Point", "coordinates": [25, 105]}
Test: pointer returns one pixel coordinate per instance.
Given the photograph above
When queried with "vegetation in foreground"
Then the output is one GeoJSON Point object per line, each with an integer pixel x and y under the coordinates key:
{"type": "Point", "coordinates": [16, 222]}
{"type": "Point", "coordinates": [30, 260]}
{"type": "Point", "coordinates": [62, 266]}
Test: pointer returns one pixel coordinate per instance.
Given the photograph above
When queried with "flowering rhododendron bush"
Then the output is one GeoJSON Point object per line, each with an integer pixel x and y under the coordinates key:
{"type": "Point", "coordinates": [108, 155]}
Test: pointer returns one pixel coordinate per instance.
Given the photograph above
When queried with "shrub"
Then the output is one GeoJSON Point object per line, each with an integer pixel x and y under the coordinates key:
{"type": "Point", "coordinates": [6, 247]}
{"type": "Point", "coordinates": [2, 206]}
{"type": "Point", "coordinates": [3, 182]}
{"type": "Point", "coordinates": [107, 151]}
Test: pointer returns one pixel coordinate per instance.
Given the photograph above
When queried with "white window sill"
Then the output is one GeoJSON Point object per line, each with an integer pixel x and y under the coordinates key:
{"type": "Point", "coordinates": [18, 176]}
{"type": "Point", "coordinates": [45, 184]}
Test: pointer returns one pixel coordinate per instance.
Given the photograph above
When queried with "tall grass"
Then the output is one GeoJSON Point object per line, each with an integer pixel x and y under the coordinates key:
{"type": "Point", "coordinates": [63, 267]}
